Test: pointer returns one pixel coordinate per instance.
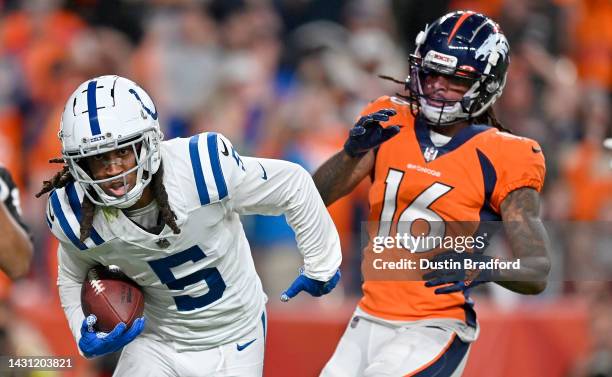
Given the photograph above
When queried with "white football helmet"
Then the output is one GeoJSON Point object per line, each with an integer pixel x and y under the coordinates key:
{"type": "Point", "coordinates": [104, 114]}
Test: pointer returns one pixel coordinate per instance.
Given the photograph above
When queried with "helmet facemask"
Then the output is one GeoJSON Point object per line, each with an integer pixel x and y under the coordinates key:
{"type": "Point", "coordinates": [452, 111]}
{"type": "Point", "coordinates": [145, 146]}
{"type": "Point", "coordinates": [105, 114]}
{"type": "Point", "coordinates": [482, 59]}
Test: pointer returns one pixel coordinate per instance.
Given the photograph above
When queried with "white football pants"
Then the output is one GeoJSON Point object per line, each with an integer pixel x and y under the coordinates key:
{"type": "Point", "coordinates": [374, 349]}
{"type": "Point", "coordinates": [145, 357]}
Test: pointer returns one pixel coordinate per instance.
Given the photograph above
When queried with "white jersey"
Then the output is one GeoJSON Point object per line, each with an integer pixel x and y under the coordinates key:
{"type": "Point", "coordinates": [201, 288]}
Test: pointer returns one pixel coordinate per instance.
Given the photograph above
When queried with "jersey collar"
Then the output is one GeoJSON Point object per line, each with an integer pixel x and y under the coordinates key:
{"type": "Point", "coordinates": [427, 146]}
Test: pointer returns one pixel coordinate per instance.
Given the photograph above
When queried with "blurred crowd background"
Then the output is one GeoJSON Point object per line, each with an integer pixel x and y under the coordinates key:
{"type": "Point", "coordinates": [286, 79]}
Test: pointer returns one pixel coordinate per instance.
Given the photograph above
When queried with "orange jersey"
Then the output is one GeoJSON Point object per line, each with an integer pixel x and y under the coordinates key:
{"type": "Point", "coordinates": [466, 179]}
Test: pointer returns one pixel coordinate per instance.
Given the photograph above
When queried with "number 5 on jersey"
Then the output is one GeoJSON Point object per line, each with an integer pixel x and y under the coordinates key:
{"type": "Point", "coordinates": [216, 286]}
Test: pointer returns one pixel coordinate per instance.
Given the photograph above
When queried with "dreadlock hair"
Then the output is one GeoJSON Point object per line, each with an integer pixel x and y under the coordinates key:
{"type": "Point", "coordinates": [161, 196]}
{"type": "Point", "coordinates": [488, 117]}
{"type": "Point", "coordinates": [88, 209]}
{"type": "Point", "coordinates": [60, 179]}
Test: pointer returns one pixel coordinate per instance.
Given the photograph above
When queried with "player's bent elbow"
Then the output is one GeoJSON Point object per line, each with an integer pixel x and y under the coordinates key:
{"type": "Point", "coordinates": [535, 288]}
{"type": "Point", "coordinates": [25, 258]}
{"type": "Point", "coordinates": [19, 264]}
{"type": "Point", "coordinates": [300, 174]}
{"type": "Point", "coordinates": [20, 270]}
{"type": "Point", "coordinates": [538, 286]}
{"type": "Point", "coordinates": [298, 169]}
{"type": "Point", "coordinates": [525, 287]}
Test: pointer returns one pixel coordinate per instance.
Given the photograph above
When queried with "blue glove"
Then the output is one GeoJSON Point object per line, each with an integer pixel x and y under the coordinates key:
{"type": "Point", "coordinates": [316, 288]}
{"type": "Point", "coordinates": [94, 344]}
{"type": "Point", "coordinates": [459, 279]}
{"type": "Point", "coordinates": [367, 133]}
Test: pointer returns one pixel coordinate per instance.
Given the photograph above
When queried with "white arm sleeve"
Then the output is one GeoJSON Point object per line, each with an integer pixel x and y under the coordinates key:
{"type": "Point", "coordinates": [273, 187]}
{"type": "Point", "coordinates": [71, 274]}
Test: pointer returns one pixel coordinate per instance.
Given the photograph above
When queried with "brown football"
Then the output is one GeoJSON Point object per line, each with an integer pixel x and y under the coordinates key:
{"type": "Point", "coordinates": [112, 297]}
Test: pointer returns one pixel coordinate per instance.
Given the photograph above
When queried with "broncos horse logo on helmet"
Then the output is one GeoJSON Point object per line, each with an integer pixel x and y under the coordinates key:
{"type": "Point", "coordinates": [467, 46]}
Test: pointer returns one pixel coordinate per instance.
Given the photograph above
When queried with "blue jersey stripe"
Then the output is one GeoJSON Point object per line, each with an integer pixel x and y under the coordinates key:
{"type": "Point", "coordinates": [215, 164]}
{"type": "Point", "coordinates": [489, 177]}
{"type": "Point", "coordinates": [196, 165]}
{"type": "Point", "coordinates": [92, 108]}
{"type": "Point", "coordinates": [73, 199]}
{"type": "Point", "coordinates": [57, 209]}
{"type": "Point", "coordinates": [75, 204]}
{"type": "Point", "coordinates": [95, 237]}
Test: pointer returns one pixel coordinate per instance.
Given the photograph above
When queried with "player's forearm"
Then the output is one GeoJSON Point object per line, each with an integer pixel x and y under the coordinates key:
{"type": "Point", "coordinates": [70, 298]}
{"type": "Point", "coordinates": [334, 179]}
{"type": "Point", "coordinates": [530, 279]}
{"type": "Point", "coordinates": [15, 247]}
{"type": "Point", "coordinates": [315, 231]}
{"type": "Point", "coordinates": [524, 287]}
{"type": "Point", "coordinates": [72, 268]}
{"type": "Point", "coordinates": [288, 189]}
{"type": "Point", "coordinates": [528, 241]}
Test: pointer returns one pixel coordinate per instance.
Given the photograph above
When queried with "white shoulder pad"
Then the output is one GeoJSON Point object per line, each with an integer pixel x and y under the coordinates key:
{"type": "Point", "coordinates": [64, 215]}
{"type": "Point", "coordinates": [204, 167]}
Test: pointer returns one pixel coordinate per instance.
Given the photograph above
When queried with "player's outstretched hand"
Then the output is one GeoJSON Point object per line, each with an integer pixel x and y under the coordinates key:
{"type": "Point", "coordinates": [367, 133]}
{"type": "Point", "coordinates": [94, 343]}
{"type": "Point", "coordinates": [314, 287]}
{"type": "Point", "coordinates": [459, 279]}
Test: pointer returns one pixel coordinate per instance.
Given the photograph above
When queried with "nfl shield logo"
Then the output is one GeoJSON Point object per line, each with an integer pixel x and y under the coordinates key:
{"type": "Point", "coordinates": [163, 243]}
{"type": "Point", "coordinates": [430, 153]}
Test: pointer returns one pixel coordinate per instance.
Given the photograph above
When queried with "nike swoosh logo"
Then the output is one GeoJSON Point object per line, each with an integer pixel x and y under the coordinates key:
{"type": "Point", "coordinates": [245, 345]}
{"type": "Point", "coordinates": [265, 176]}
{"type": "Point", "coordinates": [224, 151]}
{"type": "Point", "coordinates": [535, 150]}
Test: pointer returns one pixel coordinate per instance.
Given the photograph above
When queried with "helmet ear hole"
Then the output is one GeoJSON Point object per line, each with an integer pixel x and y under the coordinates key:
{"type": "Point", "coordinates": [492, 86]}
{"type": "Point", "coordinates": [126, 117]}
{"type": "Point", "coordinates": [462, 45]}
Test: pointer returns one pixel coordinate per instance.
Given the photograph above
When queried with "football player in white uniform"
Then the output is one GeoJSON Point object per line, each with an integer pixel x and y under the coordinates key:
{"type": "Point", "coordinates": [167, 213]}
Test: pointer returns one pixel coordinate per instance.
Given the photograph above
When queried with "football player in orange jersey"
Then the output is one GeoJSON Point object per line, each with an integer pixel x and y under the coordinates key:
{"type": "Point", "coordinates": [446, 158]}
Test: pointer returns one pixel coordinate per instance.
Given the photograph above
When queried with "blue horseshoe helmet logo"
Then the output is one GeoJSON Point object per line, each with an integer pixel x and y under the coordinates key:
{"type": "Point", "coordinates": [153, 115]}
